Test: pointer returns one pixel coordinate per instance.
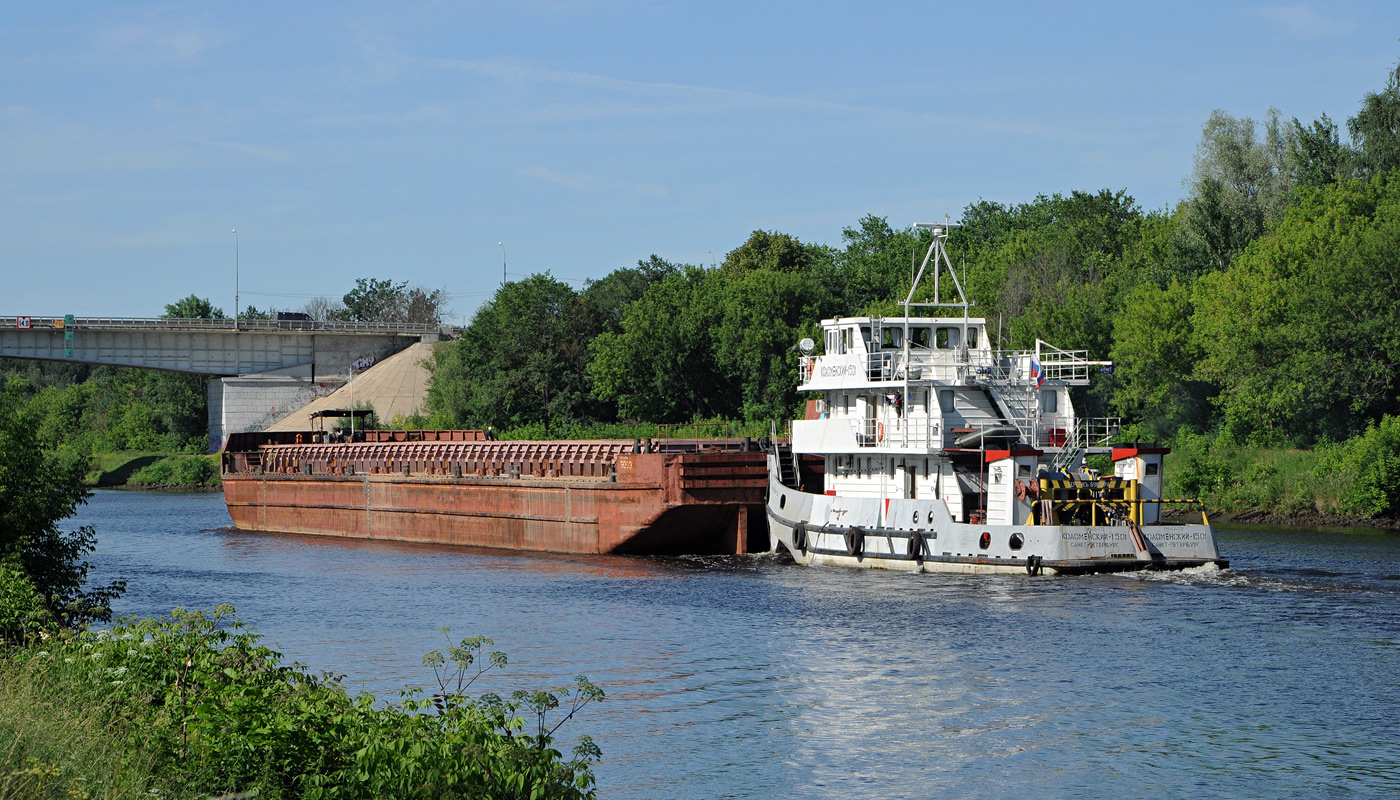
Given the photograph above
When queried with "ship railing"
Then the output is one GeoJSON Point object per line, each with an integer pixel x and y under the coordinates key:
{"type": "Point", "coordinates": [1070, 366]}
{"type": "Point", "coordinates": [1105, 501]}
{"type": "Point", "coordinates": [944, 366]}
{"type": "Point", "coordinates": [898, 433]}
{"type": "Point", "coordinates": [712, 436]}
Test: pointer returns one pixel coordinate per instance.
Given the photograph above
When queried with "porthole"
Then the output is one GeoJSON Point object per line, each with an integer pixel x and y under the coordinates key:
{"type": "Point", "coordinates": [985, 541]}
{"type": "Point", "coordinates": [916, 516]}
{"type": "Point", "coordinates": [930, 516]}
{"type": "Point", "coordinates": [1017, 541]}
{"type": "Point", "coordinates": [782, 501]}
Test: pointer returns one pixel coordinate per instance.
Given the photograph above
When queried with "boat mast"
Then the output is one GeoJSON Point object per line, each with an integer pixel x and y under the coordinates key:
{"type": "Point", "coordinates": [938, 254]}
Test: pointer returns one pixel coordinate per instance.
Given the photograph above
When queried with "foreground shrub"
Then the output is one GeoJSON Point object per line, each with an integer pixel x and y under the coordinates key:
{"type": "Point", "coordinates": [214, 711]}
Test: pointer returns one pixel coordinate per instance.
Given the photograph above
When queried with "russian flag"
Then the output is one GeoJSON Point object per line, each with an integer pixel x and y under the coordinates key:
{"type": "Point", "coordinates": [1037, 374]}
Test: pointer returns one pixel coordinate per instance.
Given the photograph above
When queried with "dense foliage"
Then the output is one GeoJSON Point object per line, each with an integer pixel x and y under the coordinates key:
{"type": "Point", "coordinates": [196, 706]}
{"type": "Point", "coordinates": [1261, 309]}
{"type": "Point", "coordinates": [42, 571]}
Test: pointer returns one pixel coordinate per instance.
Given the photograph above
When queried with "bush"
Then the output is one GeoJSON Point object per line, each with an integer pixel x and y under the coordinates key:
{"type": "Point", "coordinates": [212, 711]}
{"type": "Point", "coordinates": [1366, 469]}
{"type": "Point", "coordinates": [188, 471]}
{"type": "Point", "coordinates": [22, 611]}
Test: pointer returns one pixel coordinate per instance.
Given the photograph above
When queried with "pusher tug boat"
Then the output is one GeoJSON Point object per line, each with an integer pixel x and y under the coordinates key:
{"type": "Point", "coordinates": [926, 450]}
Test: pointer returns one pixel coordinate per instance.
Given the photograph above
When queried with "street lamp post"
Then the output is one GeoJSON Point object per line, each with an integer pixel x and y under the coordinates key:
{"type": "Point", "coordinates": [503, 263]}
{"type": "Point", "coordinates": [235, 279]}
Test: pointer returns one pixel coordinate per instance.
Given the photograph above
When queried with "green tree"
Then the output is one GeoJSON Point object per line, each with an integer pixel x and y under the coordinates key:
{"type": "Point", "coordinates": [605, 300]}
{"type": "Point", "coordinates": [1240, 183]}
{"type": "Point", "coordinates": [520, 361]}
{"type": "Point", "coordinates": [39, 489]}
{"type": "Point", "coordinates": [764, 315]}
{"type": "Point", "coordinates": [375, 300]}
{"type": "Point", "coordinates": [193, 307]}
{"type": "Point", "coordinates": [771, 251]}
{"type": "Point", "coordinates": [1154, 351]}
{"type": "Point", "coordinates": [661, 367]}
{"type": "Point", "coordinates": [1375, 130]}
{"type": "Point", "coordinates": [874, 268]}
{"type": "Point", "coordinates": [1319, 157]}
{"type": "Point", "coordinates": [1303, 333]}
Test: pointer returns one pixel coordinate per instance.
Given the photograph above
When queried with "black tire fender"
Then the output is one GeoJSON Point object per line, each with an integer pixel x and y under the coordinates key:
{"type": "Point", "coordinates": [916, 545]}
{"type": "Point", "coordinates": [855, 541]}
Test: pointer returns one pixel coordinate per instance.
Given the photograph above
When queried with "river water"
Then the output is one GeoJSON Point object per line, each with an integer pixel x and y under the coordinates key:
{"type": "Point", "coordinates": [749, 676]}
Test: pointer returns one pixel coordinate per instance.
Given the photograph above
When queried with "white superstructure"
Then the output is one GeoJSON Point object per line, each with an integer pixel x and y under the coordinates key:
{"type": "Point", "coordinates": [925, 448]}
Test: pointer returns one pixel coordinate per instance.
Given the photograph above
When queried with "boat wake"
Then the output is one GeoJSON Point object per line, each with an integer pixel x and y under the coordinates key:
{"type": "Point", "coordinates": [1287, 580]}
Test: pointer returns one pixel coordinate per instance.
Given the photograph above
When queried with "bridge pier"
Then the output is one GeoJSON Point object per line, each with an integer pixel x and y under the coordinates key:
{"type": "Point", "coordinates": [252, 402]}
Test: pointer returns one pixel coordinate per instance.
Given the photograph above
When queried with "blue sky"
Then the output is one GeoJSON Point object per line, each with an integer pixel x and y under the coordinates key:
{"type": "Point", "coordinates": [349, 140]}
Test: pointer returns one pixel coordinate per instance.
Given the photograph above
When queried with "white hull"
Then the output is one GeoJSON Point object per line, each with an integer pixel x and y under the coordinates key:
{"type": "Point", "coordinates": [878, 533]}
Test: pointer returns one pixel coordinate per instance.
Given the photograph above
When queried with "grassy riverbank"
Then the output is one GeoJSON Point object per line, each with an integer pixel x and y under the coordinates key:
{"type": "Point", "coordinates": [149, 470]}
{"type": "Point", "coordinates": [196, 706]}
{"type": "Point", "coordinates": [1347, 483]}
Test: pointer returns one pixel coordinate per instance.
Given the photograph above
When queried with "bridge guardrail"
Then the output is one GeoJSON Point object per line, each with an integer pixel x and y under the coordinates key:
{"type": "Point", "coordinates": [269, 325]}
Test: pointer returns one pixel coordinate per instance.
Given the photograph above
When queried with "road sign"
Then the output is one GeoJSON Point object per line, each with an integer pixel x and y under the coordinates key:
{"type": "Point", "coordinates": [23, 323]}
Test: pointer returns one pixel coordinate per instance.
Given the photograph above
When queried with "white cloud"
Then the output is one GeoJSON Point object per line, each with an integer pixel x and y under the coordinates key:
{"type": "Point", "coordinates": [621, 97]}
{"type": "Point", "coordinates": [148, 43]}
{"type": "Point", "coordinates": [583, 183]}
{"type": "Point", "coordinates": [1301, 21]}
{"type": "Point", "coordinates": [249, 149]}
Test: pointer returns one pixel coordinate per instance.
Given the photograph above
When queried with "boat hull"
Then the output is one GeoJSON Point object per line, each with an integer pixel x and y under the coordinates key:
{"type": "Point", "coordinates": [652, 503]}
{"type": "Point", "coordinates": [920, 536]}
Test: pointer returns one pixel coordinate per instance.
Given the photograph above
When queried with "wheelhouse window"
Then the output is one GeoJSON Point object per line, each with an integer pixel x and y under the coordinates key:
{"type": "Point", "coordinates": [972, 337]}
{"type": "Point", "coordinates": [919, 337]}
{"type": "Point", "coordinates": [946, 338]}
{"type": "Point", "coordinates": [891, 338]}
{"type": "Point", "coordinates": [1050, 401]}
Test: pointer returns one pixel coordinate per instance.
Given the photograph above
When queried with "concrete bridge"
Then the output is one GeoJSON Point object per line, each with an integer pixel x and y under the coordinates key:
{"type": "Point", "coordinates": [260, 370]}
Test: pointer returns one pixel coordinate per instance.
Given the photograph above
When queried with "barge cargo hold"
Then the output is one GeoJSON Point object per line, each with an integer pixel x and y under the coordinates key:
{"type": "Point", "coordinates": [455, 487]}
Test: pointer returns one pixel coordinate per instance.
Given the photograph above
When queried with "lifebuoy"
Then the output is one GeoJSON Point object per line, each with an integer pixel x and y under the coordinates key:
{"type": "Point", "coordinates": [879, 431]}
{"type": "Point", "coordinates": [916, 545]}
{"type": "Point", "coordinates": [855, 541]}
{"type": "Point", "coordinates": [799, 537]}
{"type": "Point", "coordinates": [807, 370]}
{"type": "Point", "coordinates": [298, 438]}
{"type": "Point", "coordinates": [1021, 490]}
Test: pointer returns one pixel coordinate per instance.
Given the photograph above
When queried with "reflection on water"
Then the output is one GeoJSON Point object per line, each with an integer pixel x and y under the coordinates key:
{"type": "Point", "coordinates": [748, 676]}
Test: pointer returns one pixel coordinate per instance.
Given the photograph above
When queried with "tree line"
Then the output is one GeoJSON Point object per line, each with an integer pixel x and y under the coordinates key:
{"type": "Point", "coordinates": [1262, 306]}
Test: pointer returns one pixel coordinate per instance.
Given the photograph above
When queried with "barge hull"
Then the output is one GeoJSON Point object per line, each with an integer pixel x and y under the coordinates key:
{"type": "Point", "coordinates": [663, 503]}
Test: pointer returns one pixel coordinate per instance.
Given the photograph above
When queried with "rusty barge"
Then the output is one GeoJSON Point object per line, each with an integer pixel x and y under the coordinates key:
{"type": "Point", "coordinates": [665, 496]}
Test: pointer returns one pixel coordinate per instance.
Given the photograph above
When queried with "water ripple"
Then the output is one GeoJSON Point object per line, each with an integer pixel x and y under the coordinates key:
{"type": "Point", "coordinates": [748, 676]}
